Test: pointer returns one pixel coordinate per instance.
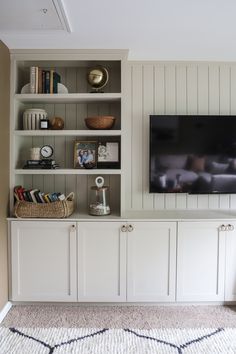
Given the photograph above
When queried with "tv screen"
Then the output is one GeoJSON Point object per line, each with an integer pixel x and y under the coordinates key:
{"type": "Point", "coordinates": [192, 154]}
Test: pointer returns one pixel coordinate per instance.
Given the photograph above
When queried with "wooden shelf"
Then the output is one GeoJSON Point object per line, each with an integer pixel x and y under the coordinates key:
{"type": "Point", "coordinates": [68, 97]}
{"type": "Point", "coordinates": [67, 132]}
{"type": "Point", "coordinates": [61, 171]}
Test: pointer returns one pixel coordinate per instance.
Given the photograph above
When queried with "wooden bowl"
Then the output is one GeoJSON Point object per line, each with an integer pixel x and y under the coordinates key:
{"type": "Point", "coordinates": [100, 122]}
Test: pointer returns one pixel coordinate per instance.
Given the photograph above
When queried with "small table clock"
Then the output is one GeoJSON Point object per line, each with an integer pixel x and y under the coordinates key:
{"type": "Point", "coordinates": [46, 151]}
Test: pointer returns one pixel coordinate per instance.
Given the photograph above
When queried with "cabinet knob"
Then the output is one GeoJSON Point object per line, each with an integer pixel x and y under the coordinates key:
{"type": "Point", "coordinates": [130, 228]}
{"type": "Point", "coordinates": [123, 228]}
{"type": "Point", "coordinates": [230, 227]}
{"type": "Point", "coordinates": [72, 228]}
{"type": "Point", "coordinates": [222, 227]}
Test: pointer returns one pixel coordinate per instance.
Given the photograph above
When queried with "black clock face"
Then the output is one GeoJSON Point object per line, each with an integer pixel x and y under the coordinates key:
{"type": "Point", "coordinates": [46, 151]}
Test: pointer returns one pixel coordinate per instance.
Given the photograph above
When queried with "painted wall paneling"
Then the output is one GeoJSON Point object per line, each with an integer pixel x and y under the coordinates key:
{"type": "Point", "coordinates": [173, 88]}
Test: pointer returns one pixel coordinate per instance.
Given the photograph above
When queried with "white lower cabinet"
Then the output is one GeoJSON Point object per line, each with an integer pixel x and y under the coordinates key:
{"type": "Point", "coordinates": [132, 261]}
{"type": "Point", "coordinates": [230, 263]}
{"type": "Point", "coordinates": [200, 261]}
{"type": "Point", "coordinates": [101, 262]}
{"type": "Point", "coordinates": [43, 261]}
{"type": "Point", "coordinates": [151, 261]}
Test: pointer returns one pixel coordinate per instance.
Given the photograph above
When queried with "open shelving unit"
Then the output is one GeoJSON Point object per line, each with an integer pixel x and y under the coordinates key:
{"type": "Point", "coordinates": [73, 107]}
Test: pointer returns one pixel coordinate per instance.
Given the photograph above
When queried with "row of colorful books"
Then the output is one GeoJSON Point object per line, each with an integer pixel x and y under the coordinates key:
{"type": "Point", "coordinates": [43, 81]}
{"type": "Point", "coordinates": [35, 196]}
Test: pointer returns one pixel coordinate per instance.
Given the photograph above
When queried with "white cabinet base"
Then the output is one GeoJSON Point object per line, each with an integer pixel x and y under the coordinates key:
{"type": "Point", "coordinates": [200, 262]}
{"type": "Point", "coordinates": [151, 262]}
{"type": "Point", "coordinates": [101, 262]}
{"type": "Point", "coordinates": [43, 261]}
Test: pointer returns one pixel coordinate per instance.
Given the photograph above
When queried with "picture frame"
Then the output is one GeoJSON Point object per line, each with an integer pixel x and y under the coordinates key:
{"type": "Point", "coordinates": [108, 154]}
{"type": "Point", "coordinates": [85, 154]}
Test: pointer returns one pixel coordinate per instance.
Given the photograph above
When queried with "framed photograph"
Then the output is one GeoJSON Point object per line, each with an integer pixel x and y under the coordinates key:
{"type": "Point", "coordinates": [109, 154]}
{"type": "Point", "coordinates": [85, 154]}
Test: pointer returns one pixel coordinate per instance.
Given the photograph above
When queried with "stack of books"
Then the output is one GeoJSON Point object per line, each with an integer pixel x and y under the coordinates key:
{"type": "Point", "coordinates": [43, 81]}
{"type": "Point", "coordinates": [46, 164]}
{"type": "Point", "coordinates": [35, 196]}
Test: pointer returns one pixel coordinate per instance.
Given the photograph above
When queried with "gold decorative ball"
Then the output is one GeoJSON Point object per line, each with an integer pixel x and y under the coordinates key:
{"type": "Point", "coordinates": [57, 123]}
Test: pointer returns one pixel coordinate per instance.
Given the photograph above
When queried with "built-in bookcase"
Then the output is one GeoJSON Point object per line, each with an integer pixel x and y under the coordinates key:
{"type": "Point", "coordinates": [73, 107]}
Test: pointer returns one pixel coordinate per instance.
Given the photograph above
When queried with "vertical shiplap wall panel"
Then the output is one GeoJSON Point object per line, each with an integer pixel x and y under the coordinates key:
{"type": "Point", "coordinates": [214, 109]}
{"type": "Point", "coordinates": [137, 137]}
{"type": "Point", "coordinates": [225, 109]}
{"type": "Point", "coordinates": [174, 88]}
{"type": "Point", "coordinates": [148, 105]}
{"type": "Point", "coordinates": [170, 108]}
{"type": "Point", "coordinates": [192, 108]}
{"type": "Point", "coordinates": [159, 108]}
{"type": "Point", "coordinates": [181, 108]}
{"type": "Point", "coordinates": [203, 108]}
{"type": "Point", "coordinates": [233, 112]}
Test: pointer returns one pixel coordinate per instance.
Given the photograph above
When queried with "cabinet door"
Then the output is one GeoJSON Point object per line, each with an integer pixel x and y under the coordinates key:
{"type": "Point", "coordinates": [43, 261]}
{"type": "Point", "coordinates": [200, 262]}
{"type": "Point", "coordinates": [101, 262]}
{"type": "Point", "coordinates": [152, 261]}
{"type": "Point", "coordinates": [230, 264]}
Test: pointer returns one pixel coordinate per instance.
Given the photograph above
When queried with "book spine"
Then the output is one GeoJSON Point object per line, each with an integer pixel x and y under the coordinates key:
{"type": "Point", "coordinates": [43, 81]}
{"type": "Point", "coordinates": [33, 79]}
{"type": "Point", "coordinates": [40, 81]}
{"type": "Point", "coordinates": [47, 81]}
{"type": "Point", "coordinates": [32, 194]}
{"type": "Point", "coordinates": [51, 81]}
{"type": "Point", "coordinates": [36, 79]}
{"type": "Point", "coordinates": [29, 198]}
{"type": "Point", "coordinates": [41, 196]}
{"type": "Point", "coordinates": [36, 194]}
{"type": "Point", "coordinates": [56, 80]}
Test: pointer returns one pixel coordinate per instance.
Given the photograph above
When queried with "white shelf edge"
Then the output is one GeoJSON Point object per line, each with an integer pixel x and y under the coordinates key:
{"type": "Point", "coordinates": [68, 97]}
{"type": "Point", "coordinates": [68, 172]}
{"type": "Point", "coordinates": [67, 132]}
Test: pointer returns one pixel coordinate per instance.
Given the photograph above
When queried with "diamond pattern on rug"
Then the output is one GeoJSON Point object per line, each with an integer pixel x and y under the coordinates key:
{"type": "Point", "coordinates": [117, 341]}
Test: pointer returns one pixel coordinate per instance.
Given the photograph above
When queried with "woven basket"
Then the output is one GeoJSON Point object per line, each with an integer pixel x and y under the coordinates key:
{"type": "Point", "coordinates": [58, 209]}
{"type": "Point", "coordinates": [100, 122]}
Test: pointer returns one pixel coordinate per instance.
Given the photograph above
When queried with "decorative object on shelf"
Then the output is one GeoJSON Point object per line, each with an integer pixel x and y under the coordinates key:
{"type": "Point", "coordinates": [85, 154]}
{"type": "Point", "coordinates": [25, 89]}
{"type": "Point", "coordinates": [109, 154]}
{"type": "Point", "coordinates": [62, 88]}
{"type": "Point", "coordinates": [57, 123]}
{"type": "Point", "coordinates": [100, 122]}
{"type": "Point", "coordinates": [97, 78]}
{"type": "Point", "coordinates": [99, 198]}
{"type": "Point", "coordinates": [46, 163]}
{"type": "Point", "coordinates": [35, 153]}
{"type": "Point", "coordinates": [46, 151]}
{"type": "Point", "coordinates": [44, 123]}
{"type": "Point", "coordinates": [32, 118]}
{"type": "Point", "coordinates": [55, 209]}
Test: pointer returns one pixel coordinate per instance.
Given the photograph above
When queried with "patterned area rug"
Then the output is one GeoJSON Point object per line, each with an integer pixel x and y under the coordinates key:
{"type": "Point", "coordinates": [117, 341]}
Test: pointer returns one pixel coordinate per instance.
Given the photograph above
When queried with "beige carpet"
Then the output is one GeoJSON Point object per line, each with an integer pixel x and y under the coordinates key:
{"type": "Point", "coordinates": [142, 317]}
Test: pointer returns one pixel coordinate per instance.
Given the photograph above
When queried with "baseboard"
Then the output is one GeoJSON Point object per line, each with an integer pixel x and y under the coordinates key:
{"type": "Point", "coordinates": [5, 310]}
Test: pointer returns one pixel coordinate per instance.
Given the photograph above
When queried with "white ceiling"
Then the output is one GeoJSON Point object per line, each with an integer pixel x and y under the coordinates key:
{"type": "Point", "coordinates": [150, 29]}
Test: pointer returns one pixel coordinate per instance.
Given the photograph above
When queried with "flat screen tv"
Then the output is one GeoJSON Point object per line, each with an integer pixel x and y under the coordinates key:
{"type": "Point", "coordinates": [192, 154]}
